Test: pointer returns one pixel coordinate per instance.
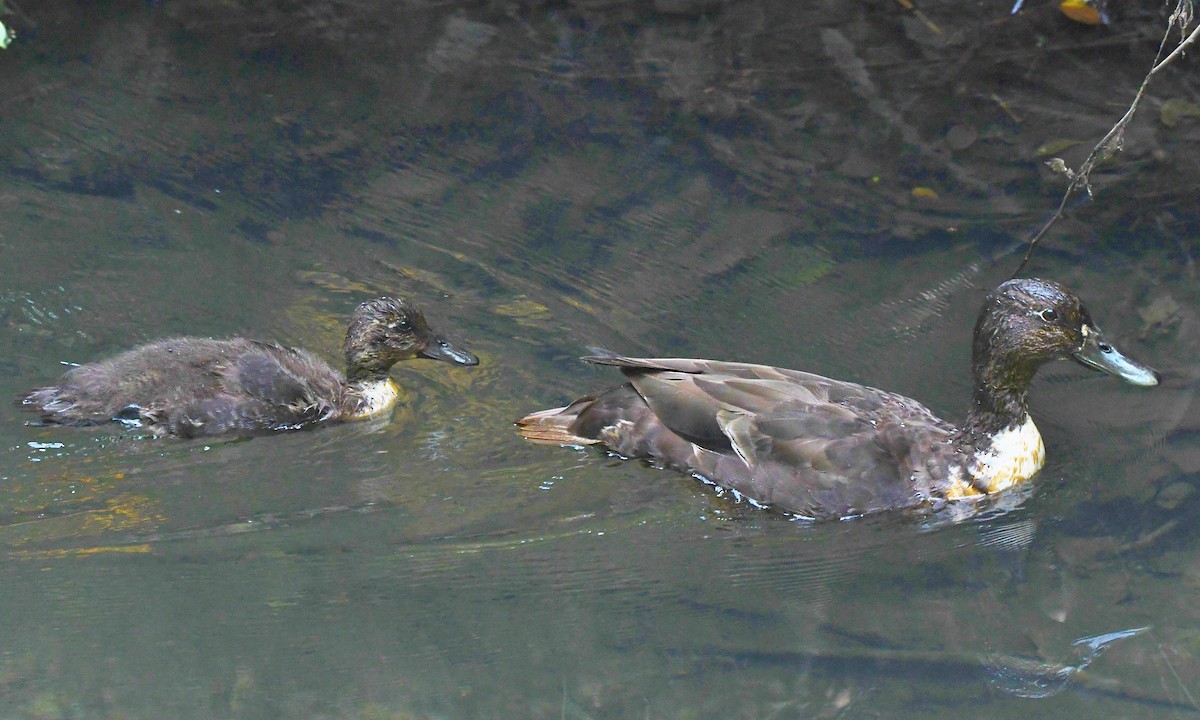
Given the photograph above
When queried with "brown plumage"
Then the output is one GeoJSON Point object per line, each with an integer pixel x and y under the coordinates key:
{"type": "Point", "coordinates": [817, 447]}
{"type": "Point", "coordinates": [188, 386]}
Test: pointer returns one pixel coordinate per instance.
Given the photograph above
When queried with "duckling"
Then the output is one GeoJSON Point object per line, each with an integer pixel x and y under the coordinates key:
{"type": "Point", "coordinates": [815, 447]}
{"type": "Point", "coordinates": [190, 387]}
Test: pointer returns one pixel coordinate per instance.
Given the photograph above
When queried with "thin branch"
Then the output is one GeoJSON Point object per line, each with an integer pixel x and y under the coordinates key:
{"type": "Point", "coordinates": [1112, 141]}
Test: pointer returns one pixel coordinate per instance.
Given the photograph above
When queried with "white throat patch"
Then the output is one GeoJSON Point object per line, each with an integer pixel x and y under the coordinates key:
{"type": "Point", "coordinates": [1015, 455]}
{"type": "Point", "coordinates": [376, 397]}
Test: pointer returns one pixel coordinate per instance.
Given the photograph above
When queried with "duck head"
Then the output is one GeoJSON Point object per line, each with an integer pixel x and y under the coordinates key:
{"type": "Point", "coordinates": [387, 330]}
{"type": "Point", "coordinates": [1026, 323]}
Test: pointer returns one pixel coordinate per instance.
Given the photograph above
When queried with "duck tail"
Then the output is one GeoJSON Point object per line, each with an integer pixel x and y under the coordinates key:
{"type": "Point", "coordinates": [55, 406]}
{"type": "Point", "coordinates": [555, 426]}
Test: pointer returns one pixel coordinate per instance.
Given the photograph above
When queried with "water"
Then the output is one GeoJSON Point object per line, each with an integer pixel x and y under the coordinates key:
{"type": "Point", "coordinates": [544, 182]}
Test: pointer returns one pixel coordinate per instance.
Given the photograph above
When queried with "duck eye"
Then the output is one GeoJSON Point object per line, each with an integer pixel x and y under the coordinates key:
{"type": "Point", "coordinates": [402, 325]}
{"type": "Point", "coordinates": [1049, 315]}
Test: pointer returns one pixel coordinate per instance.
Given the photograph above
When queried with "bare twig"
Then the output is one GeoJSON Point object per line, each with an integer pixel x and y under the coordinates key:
{"type": "Point", "coordinates": [1111, 143]}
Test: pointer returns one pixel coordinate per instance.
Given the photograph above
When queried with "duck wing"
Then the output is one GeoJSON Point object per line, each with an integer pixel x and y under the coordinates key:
{"type": "Point", "coordinates": [263, 386]}
{"type": "Point", "coordinates": [799, 441]}
{"type": "Point", "coordinates": [280, 375]}
{"type": "Point", "coordinates": [686, 394]}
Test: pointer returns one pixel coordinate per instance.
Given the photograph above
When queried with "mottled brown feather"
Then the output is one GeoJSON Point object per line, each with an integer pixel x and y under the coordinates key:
{"type": "Point", "coordinates": [818, 447]}
{"type": "Point", "coordinates": [188, 386]}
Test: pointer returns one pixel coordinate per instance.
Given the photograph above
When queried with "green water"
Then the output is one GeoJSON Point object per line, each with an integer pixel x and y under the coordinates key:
{"type": "Point", "coordinates": [542, 183]}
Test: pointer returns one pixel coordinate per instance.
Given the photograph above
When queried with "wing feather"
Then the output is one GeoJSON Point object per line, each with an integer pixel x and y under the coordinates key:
{"type": "Point", "coordinates": [784, 437]}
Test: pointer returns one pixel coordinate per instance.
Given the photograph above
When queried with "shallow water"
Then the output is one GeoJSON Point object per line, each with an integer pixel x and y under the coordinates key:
{"type": "Point", "coordinates": [544, 182]}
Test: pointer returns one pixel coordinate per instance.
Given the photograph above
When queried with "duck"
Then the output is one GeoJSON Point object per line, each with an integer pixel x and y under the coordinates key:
{"type": "Point", "coordinates": [817, 448]}
{"type": "Point", "coordinates": [193, 386]}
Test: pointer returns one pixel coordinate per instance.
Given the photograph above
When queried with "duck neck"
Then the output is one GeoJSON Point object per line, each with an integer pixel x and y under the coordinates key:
{"type": "Point", "coordinates": [363, 375]}
{"type": "Point", "coordinates": [998, 446]}
{"type": "Point", "coordinates": [369, 390]}
{"type": "Point", "coordinates": [362, 364]}
{"type": "Point", "coordinates": [368, 394]}
{"type": "Point", "coordinates": [999, 402]}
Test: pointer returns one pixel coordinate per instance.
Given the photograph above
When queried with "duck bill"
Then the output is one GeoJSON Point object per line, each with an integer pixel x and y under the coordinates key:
{"type": "Point", "coordinates": [1097, 354]}
{"type": "Point", "coordinates": [440, 349]}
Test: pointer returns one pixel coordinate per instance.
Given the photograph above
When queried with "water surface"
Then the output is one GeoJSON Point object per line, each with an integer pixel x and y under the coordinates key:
{"type": "Point", "coordinates": [690, 181]}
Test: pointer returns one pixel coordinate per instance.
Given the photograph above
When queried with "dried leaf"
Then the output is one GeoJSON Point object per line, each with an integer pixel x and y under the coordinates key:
{"type": "Point", "coordinates": [1060, 167]}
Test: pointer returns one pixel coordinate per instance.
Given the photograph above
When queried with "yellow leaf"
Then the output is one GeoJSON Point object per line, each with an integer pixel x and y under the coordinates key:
{"type": "Point", "coordinates": [1081, 11]}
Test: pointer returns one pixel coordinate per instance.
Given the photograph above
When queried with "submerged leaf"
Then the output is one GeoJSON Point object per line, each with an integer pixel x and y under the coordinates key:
{"type": "Point", "coordinates": [523, 309]}
{"type": "Point", "coordinates": [1174, 109]}
{"type": "Point", "coordinates": [1158, 315]}
{"type": "Point", "coordinates": [333, 281]}
{"type": "Point", "coordinates": [1054, 147]}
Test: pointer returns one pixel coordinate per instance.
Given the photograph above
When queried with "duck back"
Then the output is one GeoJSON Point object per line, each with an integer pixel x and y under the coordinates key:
{"type": "Point", "coordinates": [783, 438]}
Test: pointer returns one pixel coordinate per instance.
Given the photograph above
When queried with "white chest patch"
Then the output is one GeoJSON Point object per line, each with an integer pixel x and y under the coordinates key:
{"type": "Point", "coordinates": [376, 397]}
{"type": "Point", "coordinates": [1015, 455]}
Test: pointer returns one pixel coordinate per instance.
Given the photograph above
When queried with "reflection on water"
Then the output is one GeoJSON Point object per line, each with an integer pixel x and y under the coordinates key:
{"type": "Point", "coordinates": [1028, 679]}
{"type": "Point", "coordinates": [544, 180]}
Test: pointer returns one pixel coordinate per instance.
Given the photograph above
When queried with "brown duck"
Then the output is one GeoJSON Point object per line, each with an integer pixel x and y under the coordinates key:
{"type": "Point", "coordinates": [189, 387]}
{"type": "Point", "coordinates": [815, 447]}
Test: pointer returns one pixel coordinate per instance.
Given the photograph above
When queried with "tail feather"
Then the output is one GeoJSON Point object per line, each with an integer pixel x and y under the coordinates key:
{"type": "Point", "coordinates": [54, 405]}
{"type": "Point", "coordinates": [61, 405]}
{"type": "Point", "coordinates": [553, 427]}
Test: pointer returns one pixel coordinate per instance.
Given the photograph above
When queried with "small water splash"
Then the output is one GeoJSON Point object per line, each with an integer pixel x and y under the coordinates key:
{"type": "Point", "coordinates": [40, 450]}
{"type": "Point", "coordinates": [43, 308]}
{"type": "Point", "coordinates": [1036, 679]}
